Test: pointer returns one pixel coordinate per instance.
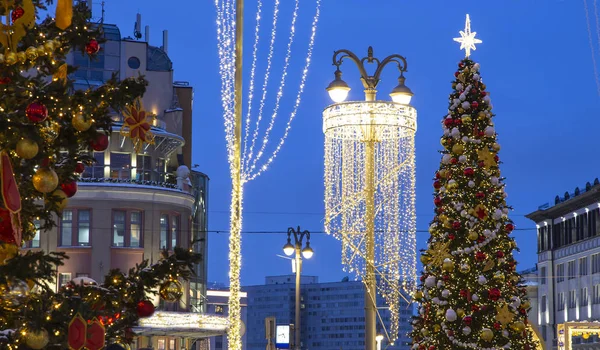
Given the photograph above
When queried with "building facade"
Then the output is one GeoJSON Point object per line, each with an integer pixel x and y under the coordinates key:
{"type": "Point", "coordinates": [130, 206]}
{"type": "Point", "coordinates": [568, 240]}
{"type": "Point", "coordinates": [218, 304]}
{"type": "Point", "coordinates": [332, 313]}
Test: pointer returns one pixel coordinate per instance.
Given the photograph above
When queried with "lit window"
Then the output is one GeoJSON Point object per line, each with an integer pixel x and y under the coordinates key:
{"type": "Point", "coordinates": [96, 170]}
{"type": "Point", "coordinates": [120, 165]}
{"type": "Point", "coordinates": [127, 228]}
{"type": "Point", "coordinates": [169, 231]}
{"type": "Point", "coordinates": [63, 278]}
{"type": "Point", "coordinates": [75, 228]}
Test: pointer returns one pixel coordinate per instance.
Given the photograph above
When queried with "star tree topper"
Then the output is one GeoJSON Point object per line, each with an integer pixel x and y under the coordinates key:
{"type": "Point", "coordinates": [467, 38]}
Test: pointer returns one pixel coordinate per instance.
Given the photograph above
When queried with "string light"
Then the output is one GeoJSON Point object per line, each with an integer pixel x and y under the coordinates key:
{"type": "Point", "coordinates": [390, 129]}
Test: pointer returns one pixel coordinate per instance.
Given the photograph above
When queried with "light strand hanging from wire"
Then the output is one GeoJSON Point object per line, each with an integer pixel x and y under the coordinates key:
{"type": "Point", "coordinates": [591, 40]}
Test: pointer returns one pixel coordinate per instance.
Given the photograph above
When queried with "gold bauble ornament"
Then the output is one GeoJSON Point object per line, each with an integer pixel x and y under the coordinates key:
{"type": "Point", "coordinates": [31, 53]}
{"type": "Point", "coordinates": [526, 304]}
{"type": "Point", "coordinates": [473, 235]}
{"type": "Point", "coordinates": [487, 334]}
{"type": "Point", "coordinates": [36, 339]}
{"type": "Point", "coordinates": [80, 122]}
{"type": "Point", "coordinates": [482, 87]}
{"type": "Point", "coordinates": [481, 115]}
{"type": "Point", "coordinates": [448, 265]}
{"type": "Point", "coordinates": [443, 142]}
{"type": "Point", "coordinates": [45, 180]}
{"type": "Point", "coordinates": [21, 57]}
{"type": "Point", "coordinates": [466, 120]}
{"type": "Point", "coordinates": [496, 146]}
{"type": "Point", "coordinates": [13, 293]}
{"type": "Point", "coordinates": [425, 259]}
{"type": "Point", "coordinates": [171, 291]}
{"type": "Point", "coordinates": [458, 149]}
{"type": "Point", "coordinates": [518, 326]}
{"type": "Point", "coordinates": [460, 110]}
{"type": "Point", "coordinates": [418, 295]}
{"type": "Point", "coordinates": [64, 200]}
{"type": "Point", "coordinates": [443, 218]}
{"type": "Point", "coordinates": [10, 58]}
{"type": "Point", "coordinates": [465, 268]}
{"type": "Point", "coordinates": [425, 332]}
{"type": "Point", "coordinates": [437, 328]}
{"type": "Point", "coordinates": [439, 313]}
{"type": "Point", "coordinates": [460, 313]}
{"type": "Point", "coordinates": [499, 276]}
{"type": "Point", "coordinates": [40, 50]}
{"type": "Point", "coordinates": [452, 186]}
{"type": "Point", "coordinates": [49, 47]}
{"type": "Point", "coordinates": [586, 336]}
{"type": "Point", "coordinates": [443, 173]}
{"type": "Point", "coordinates": [27, 148]}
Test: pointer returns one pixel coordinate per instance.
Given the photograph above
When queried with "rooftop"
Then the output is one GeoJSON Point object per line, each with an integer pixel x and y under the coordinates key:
{"type": "Point", "coordinates": [568, 203]}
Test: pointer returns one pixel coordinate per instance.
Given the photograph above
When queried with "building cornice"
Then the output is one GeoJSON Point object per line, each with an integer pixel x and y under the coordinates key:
{"type": "Point", "coordinates": [132, 192]}
{"type": "Point", "coordinates": [561, 209]}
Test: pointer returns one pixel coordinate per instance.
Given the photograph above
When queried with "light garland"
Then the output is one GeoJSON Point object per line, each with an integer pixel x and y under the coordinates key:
{"type": "Point", "coordinates": [162, 320]}
{"type": "Point", "coordinates": [391, 128]}
{"type": "Point", "coordinates": [591, 42]}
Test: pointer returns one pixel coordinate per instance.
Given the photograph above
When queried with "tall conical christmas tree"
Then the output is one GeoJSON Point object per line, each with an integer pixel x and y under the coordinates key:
{"type": "Point", "coordinates": [470, 296]}
{"type": "Point", "coordinates": [48, 130]}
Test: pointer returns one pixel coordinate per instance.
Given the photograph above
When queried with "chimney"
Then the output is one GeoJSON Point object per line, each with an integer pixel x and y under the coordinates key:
{"type": "Point", "coordinates": [138, 23]}
{"type": "Point", "coordinates": [166, 41]}
{"type": "Point", "coordinates": [148, 34]}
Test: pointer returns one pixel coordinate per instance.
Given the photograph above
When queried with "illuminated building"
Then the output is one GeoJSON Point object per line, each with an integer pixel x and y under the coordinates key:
{"type": "Point", "coordinates": [218, 304]}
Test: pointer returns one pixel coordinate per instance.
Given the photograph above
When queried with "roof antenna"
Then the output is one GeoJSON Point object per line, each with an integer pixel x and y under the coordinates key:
{"type": "Point", "coordinates": [102, 18]}
{"type": "Point", "coordinates": [137, 29]}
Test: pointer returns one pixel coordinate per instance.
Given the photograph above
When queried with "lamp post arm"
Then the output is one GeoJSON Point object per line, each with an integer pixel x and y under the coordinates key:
{"type": "Point", "coordinates": [399, 60]}
{"type": "Point", "coordinates": [343, 53]}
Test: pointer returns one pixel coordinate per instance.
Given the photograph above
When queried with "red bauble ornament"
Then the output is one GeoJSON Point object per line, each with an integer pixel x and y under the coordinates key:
{"type": "Point", "coordinates": [437, 201]}
{"type": "Point", "coordinates": [423, 278]}
{"type": "Point", "coordinates": [432, 347]}
{"type": "Point", "coordinates": [497, 326]}
{"type": "Point", "coordinates": [458, 121]}
{"type": "Point", "coordinates": [499, 254]}
{"type": "Point", "coordinates": [456, 225]}
{"type": "Point", "coordinates": [494, 294]}
{"type": "Point", "coordinates": [461, 64]}
{"type": "Point", "coordinates": [451, 237]}
{"type": "Point", "coordinates": [475, 308]}
{"type": "Point", "coordinates": [474, 104]}
{"type": "Point", "coordinates": [450, 333]}
{"type": "Point", "coordinates": [79, 168]}
{"type": "Point", "coordinates": [6, 228]}
{"type": "Point", "coordinates": [496, 158]}
{"type": "Point", "coordinates": [463, 293]}
{"type": "Point", "coordinates": [469, 172]}
{"type": "Point", "coordinates": [480, 195]}
{"type": "Point", "coordinates": [99, 143]}
{"type": "Point", "coordinates": [17, 13]}
{"type": "Point", "coordinates": [480, 256]}
{"type": "Point", "coordinates": [145, 308]}
{"type": "Point", "coordinates": [36, 112]}
{"type": "Point", "coordinates": [437, 175]}
{"type": "Point", "coordinates": [453, 160]}
{"type": "Point", "coordinates": [437, 185]}
{"type": "Point", "coordinates": [481, 134]}
{"type": "Point", "coordinates": [92, 47]}
{"type": "Point", "coordinates": [481, 164]}
{"type": "Point", "coordinates": [480, 239]}
{"type": "Point", "coordinates": [509, 227]}
{"type": "Point", "coordinates": [456, 74]}
{"type": "Point", "coordinates": [5, 80]}
{"type": "Point", "coordinates": [448, 122]}
{"type": "Point", "coordinates": [483, 93]}
{"type": "Point", "coordinates": [69, 188]}
{"type": "Point", "coordinates": [467, 320]}
{"type": "Point", "coordinates": [446, 278]}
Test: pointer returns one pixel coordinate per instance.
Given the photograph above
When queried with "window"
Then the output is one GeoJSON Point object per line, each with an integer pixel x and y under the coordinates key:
{"type": "Point", "coordinates": [571, 269]}
{"type": "Point", "coordinates": [144, 167]}
{"type": "Point", "coordinates": [169, 231]}
{"type": "Point", "coordinates": [133, 62]}
{"type": "Point", "coordinates": [543, 304]}
{"type": "Point", "coordinates": [561, 301]}
{"type": "Point", "coordinates": [120, 165]}
{"type": "Point", "coordinates": [583, 266]}
{"type": "Point", "coordinates": [596, 296]}
{"type": "Point", "coordinates": [35, 241]}
{"type": "Point", "coordinates": [572, 299]}
{"type": "Point", "coordinates": [127, 228]}
{"type": "Point", "coordinates": [75, 228]}
{"type": "Point", "coordinates": [162, 344]}
{"type": "Point", "coordinates": [560, 273]}
{"type": "Point", "coordinates": [583, 298]}
{"type": "Point", "coordinates": [160, 169]}
{"type": "Point", "coordinates": [543, 275]}
{"type": "Point", "coordinates": [96, 170]}
{"type": "Point", "coordinates": [596, 263]}
{"type": "Point", "coordinates": [64, 278]}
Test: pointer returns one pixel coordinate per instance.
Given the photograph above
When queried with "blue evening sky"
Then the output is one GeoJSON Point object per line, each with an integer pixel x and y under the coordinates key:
{"type": "Point", "coordinates": [535, 60]}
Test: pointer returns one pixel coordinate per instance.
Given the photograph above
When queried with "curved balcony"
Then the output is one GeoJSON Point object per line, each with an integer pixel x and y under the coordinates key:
{"type": "Point", "coordinates": [165, 143]}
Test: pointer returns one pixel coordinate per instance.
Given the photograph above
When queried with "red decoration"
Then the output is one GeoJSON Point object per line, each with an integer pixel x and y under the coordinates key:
{"type": "Point", "coordinates": [437, 175]}
{"type": "Point", "coordinates": [437, 185]}
{"type": "Point", "coordinates": [480, 239]}
{"type": "Point", "coordinates": [497, 326]}
{"type": "Point", "coordinates": [100, 143]}
{"type": "Point", "coordinates": [453, 160]}
{"type": "Point", "coordinates": [474, 104]}
{"type": "Point", "coordinates": [437, 201]}
{"type": "Point", "coordinates": [467, 320]}
{"type": "Point", "coordinates": [450, 333]}
{"type": "Point", "coordinates": [92, 47]}
{"type": "Point", "coordinates": [483, 93]}
{"type": "Point", "coordinates": [69, 188]}
{"type": "Point", "coordinates": [469, 172]}
{"type": "Point", "coordinates": [5, 80]}
{"type": "Point", "coordinates": [461, 64]}
{"type": "Point", "coordinates": [499, 254]}
{"type": "Point", "coordinates": [480, 195]}
{"type": "Point", "coordinates": [445, 278]}
{"type": "Point", "coordinates": [36, 112]}
{"type": "Point", "coordinates": [494, 294]}
{"type": "Point", "coordinates": [448, 122]}
{"type": "Point", "coordinates": [79, 168]}
{"type": "Point", "coordinates": [456, 74]}
{"type": "Point", "coordinates": [475, 308]}
{"type": "Point", "coordinates": [480, 256]}
{"type": "Point", "coordinates": [76, 333]}
{"type": "Point", "coordinates": [456, 225]}
{"type": "Point", "coordinates": [496, 158]}
{"type": "Point", "coordinates": [509, 227]}
{"type": "Point", "coordinates": [145, 308]}
{"type": "Point", "coordinates": [463, 293]}
{"type": "Point", "coordinates": [17, 13]}
{"type": "Point", "coordinates": [451, 237]}
{"type": "Point", "coordinates": [95, 336]}
{"type": "Point", "coordinates": [10, 208]}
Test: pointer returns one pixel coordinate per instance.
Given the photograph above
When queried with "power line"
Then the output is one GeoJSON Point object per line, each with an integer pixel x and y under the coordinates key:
{"type": "Point", "coordinates": [301, 213]}
{"type": "Point", "coordinates": [323, 232]}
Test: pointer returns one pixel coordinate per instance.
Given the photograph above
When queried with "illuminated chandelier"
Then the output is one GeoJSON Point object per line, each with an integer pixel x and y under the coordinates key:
{"type": "Point", "coordinates": [370, 186]}
{"type": "Point", "coordinates": [248, 157]}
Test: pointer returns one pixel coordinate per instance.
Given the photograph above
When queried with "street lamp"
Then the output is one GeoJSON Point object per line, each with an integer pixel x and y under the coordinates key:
{"type": "Point", "coordinates": [379, 338]}
{"type": "Point", "coordinates": [370, 183]}
{"type": "Point", "coordinates": [307, 253]}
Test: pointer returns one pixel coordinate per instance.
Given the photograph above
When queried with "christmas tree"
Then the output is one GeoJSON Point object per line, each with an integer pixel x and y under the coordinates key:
{"type": "Point", "coordinates": [47, 131]}
{"type": "Point", "coordinates": [470, 296]}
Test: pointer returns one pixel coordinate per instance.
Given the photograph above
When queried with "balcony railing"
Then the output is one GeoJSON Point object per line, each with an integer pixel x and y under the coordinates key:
{"type": "Point", "coordinates": [104, 180]}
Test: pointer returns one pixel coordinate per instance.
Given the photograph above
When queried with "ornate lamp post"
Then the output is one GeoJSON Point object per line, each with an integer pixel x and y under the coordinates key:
{"type": "Point", "coordinates": [369, 180]}
{"type": "Point", "coordinates": [307, 253]}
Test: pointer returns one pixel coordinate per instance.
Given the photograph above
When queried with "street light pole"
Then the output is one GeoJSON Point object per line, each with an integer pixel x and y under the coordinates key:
{"type": "Point", "coordinates": [307, 252]}
{"type": "Point", "coordinates": [338, 91]}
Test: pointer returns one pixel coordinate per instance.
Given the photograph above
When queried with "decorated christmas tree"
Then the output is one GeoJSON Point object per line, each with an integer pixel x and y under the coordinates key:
{"type": "Point", "coordinates": [47, 131]}
{"type": "Point", "coordinates": [470, 296]}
